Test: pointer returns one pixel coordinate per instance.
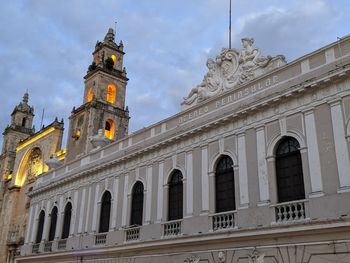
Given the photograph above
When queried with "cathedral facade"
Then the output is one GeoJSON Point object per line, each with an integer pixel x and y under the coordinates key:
{"type": "Point", "coordinates": [254, 168]}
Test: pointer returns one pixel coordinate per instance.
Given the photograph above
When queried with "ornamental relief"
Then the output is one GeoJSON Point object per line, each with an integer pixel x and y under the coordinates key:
{"type": "Point", "coordinates": [230, 69]}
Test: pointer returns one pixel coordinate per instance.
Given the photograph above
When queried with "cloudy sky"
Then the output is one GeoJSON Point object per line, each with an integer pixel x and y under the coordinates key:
{"type": "Point", "coordinates": [46, 46]}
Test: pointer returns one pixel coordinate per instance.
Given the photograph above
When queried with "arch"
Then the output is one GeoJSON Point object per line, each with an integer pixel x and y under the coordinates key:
{"type": "Point", "coordinates": [216, 159]}
{"type": "Point", "coordinates": [175, 196]}
{"type": "Point", "coordinates": [24, 121]}
{"type": "Point", "coordinates": [105, 212]}
{"type": "Point", "coordinates": [224, 185]}
{"type": "Point", "coordinates": [90, 95]}
{"type": "Point", "coordinates": [32, 165]}
{"type": "Point", "coordinates": [66, 220]}
{"type": "Point", "coordinates": [111, 93]}
{"type": "Point", "coordinates": [110, 129]}
{"type": "Point", "coordinates": [53, 223]}
{"type": "Point", "coordinates": [289, 171]}
{"type": "Point", "coordinates": [272, 145]}
{"type": "Point", "coordinates": [114, 57]}
{"type": "Point", "coordinates": [169, 172]}
{"type": "Point", "coordinates": [40, 229]}
{"type": "Point", "coordinates": [137, 204]}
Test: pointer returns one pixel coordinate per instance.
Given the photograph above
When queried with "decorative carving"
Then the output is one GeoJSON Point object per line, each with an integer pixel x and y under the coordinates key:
{"type": "Point", "coordinates": [230, 69]}
{"type": "Point", "coordinates": [256, 257]}
{"type": "Point", "coordinates": [222, 257]}
{"type": "Point", "coordinates": [192, 259]}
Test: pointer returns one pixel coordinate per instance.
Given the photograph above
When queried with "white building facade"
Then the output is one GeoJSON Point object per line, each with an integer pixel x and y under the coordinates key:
{"type": "Point", "coordinates": [257, 172]}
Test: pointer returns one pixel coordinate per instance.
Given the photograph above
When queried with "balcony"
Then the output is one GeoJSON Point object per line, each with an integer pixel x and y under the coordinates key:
{"type": "Point", "coordinates": [290, 211]}
{"type": "Point", "coordinates": [132, 234]}
{"type": "Point", "coordinates": [48, 246]}
{"type": "Point", "coordinates": [100, 239]}
{"type": "Point", "coordinates": [35, 248]}
{"type": "Point", "coordinates": [172, 228]}
{"type": "Point", "coordinates": [62, 244]}
{"type": "Point", "coordinates": [224, 220]}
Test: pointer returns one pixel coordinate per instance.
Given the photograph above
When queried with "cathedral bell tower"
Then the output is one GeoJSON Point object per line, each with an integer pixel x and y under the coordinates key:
{"type": "Point", "coordinates": [104, 99]}
{"type": "Point", "coordinates": [19, 129]}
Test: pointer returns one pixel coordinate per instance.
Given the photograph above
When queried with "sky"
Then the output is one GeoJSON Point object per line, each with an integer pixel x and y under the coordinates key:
{"type": "Point", "coordinates": [46, 46]}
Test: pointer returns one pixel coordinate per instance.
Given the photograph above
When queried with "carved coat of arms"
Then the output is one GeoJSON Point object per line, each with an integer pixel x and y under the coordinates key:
{"type": "Point", "coordinates": [230, 69]}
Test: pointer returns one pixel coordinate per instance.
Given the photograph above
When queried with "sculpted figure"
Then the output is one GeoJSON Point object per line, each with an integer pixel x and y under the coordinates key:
{"type": "Point", "coordinates": [250, 56]}
{"type": "Point", "coordinates": [211, 83]}
{"type": "Point", "coordinates": [256, 257]}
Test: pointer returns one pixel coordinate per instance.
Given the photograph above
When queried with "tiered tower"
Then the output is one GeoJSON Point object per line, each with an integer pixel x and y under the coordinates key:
{"type": "Point", "coordinates": [104, 99]}
{"type": "Point", "coordinates": [19, 129]}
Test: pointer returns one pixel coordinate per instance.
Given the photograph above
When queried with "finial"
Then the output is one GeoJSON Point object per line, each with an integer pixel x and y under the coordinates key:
{"type": "Point", "coordinates": [62, 120]}
{"type": "Point", "coordinates": [26, 97]}
{"type": "Point", "coordinates": [109, 36]}
{"type": "Point", "coordinates": [56, 119]}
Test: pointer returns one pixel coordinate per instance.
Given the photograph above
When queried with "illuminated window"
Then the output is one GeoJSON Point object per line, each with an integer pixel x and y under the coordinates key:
{"type": "Point", "coordinates": [111, 93]}
{"type": "Point", "coordinates": [110, 129]}
{"type": "Point", "coordinates": [114, 57]}
{"type": "Point", "coordinates": [90, 95]}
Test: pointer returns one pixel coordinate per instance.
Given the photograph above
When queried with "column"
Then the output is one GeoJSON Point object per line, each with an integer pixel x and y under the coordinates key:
{"type": "Point", "coordinates": [160, 191]}
{"type": "Point", "coordinates": [340, 144]}
{"type": "Point", "coordinates": [60, 215]}
{"type": "Point", "coordinates": [189, 184]}
{"type": "Point", "coordinates": [148, 194]}
{"type": "Point", "coordinates": [81, 212]}
{"type": "Point", "coordinates": [35, 223]}
{"type": "Point", "coordinates": [32, 227]}
{"type": "Point", "coordinates": [87, 217]}
{"type": "Point", "coordinates": [125, 200]}
{"type": "Point", "coordinates": [75, 219]}
{"type": "Point", "coordinates": [115, 203]}
{"type": "Point", "coordinates": [262, 165]}
{"type": "Point", "coordinates": [47, 221]}
{"type": "Point", "coordinates": [30, 224]}
{"type": "Point", "coordinates": [95, 212]}
{"type": "Point", "coordinates": [243, 174]}
{"type": "Point", "coordinates": [205, 180]}
{"type": "Point", "coordinates": [313, 153]}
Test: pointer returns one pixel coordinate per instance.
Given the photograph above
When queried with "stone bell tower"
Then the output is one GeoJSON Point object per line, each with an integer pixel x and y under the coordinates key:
{"type": "Point", "coordinates": [19, 129]}
{"type": "Point", "coordinates": [104, 99]}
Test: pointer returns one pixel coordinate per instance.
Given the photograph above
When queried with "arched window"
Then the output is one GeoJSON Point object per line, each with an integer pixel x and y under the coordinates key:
{"type": "Point", "coordinates": [175, 207]}
{"type": "Point", "coordinates": [66, 221]}
{"type": "Point", "coordinates": [289, 172]}
{"type": "Point", "coordinates": [137, 204]}
{"type": "Point", "coordinates": [90, 95]}
{"type": "Point", "coordinates": [224, 185]}
{"type": "Point", "coordinates": [114, 57]}
{"type": "Point", "coordinates": [109, 129]}
{"type": "Point", "coordinates": [24, 120]}
{"type": "Point", "coordinates": [111, 93]}
{"type": "Point", "coordinates": [105, 212]}
{"type": "Point", "coordinates": [39, 232]}
{"type": "Point", "coordinates": [53, 224]}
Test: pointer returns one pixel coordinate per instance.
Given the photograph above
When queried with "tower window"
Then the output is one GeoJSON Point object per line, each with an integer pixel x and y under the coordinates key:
{"type": "Point", "coordinates": [111, 93]}
{"type": "Point", "coordinates": [114, 57]}
{"type": "Point", "coordinates": [110, 129]}
{"type": "Point", "coordinates": [24, 120]}
{"type": "Point", "coordinates": [90, 95]}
